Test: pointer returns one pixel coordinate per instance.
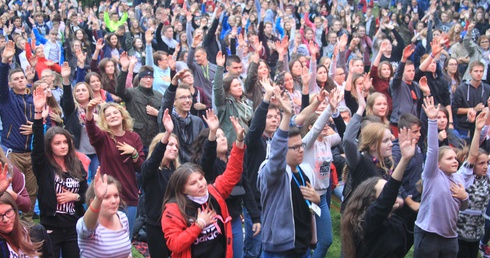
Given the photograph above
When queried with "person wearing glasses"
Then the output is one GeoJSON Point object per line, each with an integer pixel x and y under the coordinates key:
{"type": "Point", "coordinates": [142, 101]}
{"type": "Point", "coordinates": [178, 99]}
{"type": "Point", "coordinates": [14, 236]}
{"type": "Point", "coordinates": [288, 198]}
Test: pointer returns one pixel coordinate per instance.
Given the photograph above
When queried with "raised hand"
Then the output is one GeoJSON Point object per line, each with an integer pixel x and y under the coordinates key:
{"type": "Point", "coordinates": [220, 59]}
{"type": "Point", "coordinates": [8, 51]}
{"type": "Point", "coordinates": [5, 179]}
{"type": "Point", "coordinates": [360, 98]}
{"type": "Point", "coordinates": [197, 40]}
{"type": "Point", "coordinates": [384, 46]}
{"type": "Point", "coordinates": [285, 101]}
{"type": "Point", "coordinates": [124, 61]}
{"type": "Point", "coordinates": [436, 46]}
{"type": "Point", "coordinates": [30, 73]}
{"type": "Point", "coordinates": [100, 44]}
{"type": "Point", "coordinates": [39, 98]}
{"type": "Point", "coordinates": [407, 52]}
{"type": "Point", "coordinates": [343, 42]}
{"type": "Point", "coordinates": [211, 120]}
{"type": "Point", "coordinates": [167, 121]}
{"type": "Point", "coordinates": [65, 70]}
{"type": "Point", "coordinates": [313, 48]}
{"type": "Point", "coordinates": [100, 185]}
{"type": "Point", "coordinates": [424, 87]}
{"type": "Point", "coordinates": [149, 36]}
{"type": "Point", "coordinates": [305, 76]}
{"type": "Point", "coordinates": [407, 143]}
{"type": "Point", "coordinates": [430, 108]}
{"type": "Point", "coordinates": [92, 104]}
{"type": "Point", "coordinates": [367, 82]}
{"type": "Point", "coordinates": [480, 120]}
{"type": "Point", "coordinates": [81, 57]}
{"type": "Point", "coordinates": [240, 132]}
{"type": "Point", "coordinates": [279, 48]}
{"type": "Point", "coordinates": [334, 99]}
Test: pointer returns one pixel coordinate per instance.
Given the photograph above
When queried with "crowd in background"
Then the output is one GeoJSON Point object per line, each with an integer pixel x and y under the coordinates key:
{"type": "Point", "coordinates": [224, 128]}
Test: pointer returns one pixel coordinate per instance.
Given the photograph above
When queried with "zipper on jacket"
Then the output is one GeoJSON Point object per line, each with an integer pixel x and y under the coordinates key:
{"type": "Point", "coordinates": [27, 119]}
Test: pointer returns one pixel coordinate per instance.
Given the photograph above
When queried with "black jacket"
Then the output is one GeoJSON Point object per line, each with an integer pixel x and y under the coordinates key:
{"type": "Point", "coordinates": [45, 175]}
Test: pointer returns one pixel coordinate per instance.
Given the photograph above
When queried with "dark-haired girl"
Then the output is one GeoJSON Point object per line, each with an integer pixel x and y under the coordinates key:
{"type": "Point", "coordinates": [62, 177]}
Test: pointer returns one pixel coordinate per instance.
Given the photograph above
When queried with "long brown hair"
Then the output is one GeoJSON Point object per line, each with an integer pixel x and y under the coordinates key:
{"type": "Point", "coordinates": [352, 224]}
{"type": "Point", "coordinates": [72, 162]}
{"type": "Point", "coordinates": [176, 186]}
{"type": "Point", "coordinates": [19, 237]}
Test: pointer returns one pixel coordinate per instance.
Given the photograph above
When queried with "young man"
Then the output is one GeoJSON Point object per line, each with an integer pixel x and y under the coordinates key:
{"type": "Point", "coordinates": [287, 196]}
{"type": "Point", "coordinates": [178, 100]}
{"type": "Point", "coordinates": [202, 68]}
{"type": "Point", "coordinates": [412, 176]}
{"type": "Point", "coordinates": [142, 101]}
{"type": "Point", "coordinates": [406, 94]}
{"type": "Point", "coordinates": [17, 111]}
{"type": "Point", "coordinates": [470, 95]}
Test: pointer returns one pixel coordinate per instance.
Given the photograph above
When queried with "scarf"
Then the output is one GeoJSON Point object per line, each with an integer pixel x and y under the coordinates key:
{"type": "Point", "coordinates": [200, 200]}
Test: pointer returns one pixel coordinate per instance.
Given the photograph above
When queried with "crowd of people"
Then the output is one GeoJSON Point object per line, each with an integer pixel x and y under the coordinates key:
{"type": "Point", "coordinates": [224, 128]}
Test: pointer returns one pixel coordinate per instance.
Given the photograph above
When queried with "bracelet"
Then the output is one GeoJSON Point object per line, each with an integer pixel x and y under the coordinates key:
{"type": "Point", "coordinates": [201, 220]}
{"type": "Point", "coordinates": [431, 55]}
{"type": "Point", "coordinates": [450, 123]}
{"type": "Point", "coordinates": [135, 156]}
{"type": "Point", "coordinates": [238, 140]}
{"type": "Point", "coordinates": [93, 210]}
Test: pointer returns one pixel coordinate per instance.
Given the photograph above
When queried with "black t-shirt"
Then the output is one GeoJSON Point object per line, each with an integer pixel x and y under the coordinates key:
{"type": "Point", "coordinates": [210, 242]}
{"type": "Point", "coordinates": [66, 215]}
{"type": "Point", "coordinates": [302, 214]}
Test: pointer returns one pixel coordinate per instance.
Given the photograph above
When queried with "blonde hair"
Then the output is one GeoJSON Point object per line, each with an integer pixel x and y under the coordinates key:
{"type": "Point", "coordinates": [156, 139]}
{"type": "Point", "coordinates": [370, 104]}
{"type": "Point", "coordinates": [127, 121]}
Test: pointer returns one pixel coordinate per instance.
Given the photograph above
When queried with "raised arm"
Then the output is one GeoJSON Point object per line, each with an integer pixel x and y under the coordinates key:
{"type": "Point", "coordinates": [430, 167]}
{"type": "Point", "coordinates": [310, 138]}
{"type": "Point", "coordinates": [219, 91]}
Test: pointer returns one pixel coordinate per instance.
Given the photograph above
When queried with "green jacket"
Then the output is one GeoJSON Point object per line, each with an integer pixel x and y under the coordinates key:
{"type": "Point", "coordinates": [112, 26]}
{"type": "Point", "coordinates": [228, 106]}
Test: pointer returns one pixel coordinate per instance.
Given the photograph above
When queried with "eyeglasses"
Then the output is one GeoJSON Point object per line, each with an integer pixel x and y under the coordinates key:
{"type": "Point", "coordinates": [340, 74]}
{"type": "Point", "coordinates": [9, 214]}
{"type": "Point", "coordinates": [297, 147]}
{"type": "Point", "coordinates": [183, 98]}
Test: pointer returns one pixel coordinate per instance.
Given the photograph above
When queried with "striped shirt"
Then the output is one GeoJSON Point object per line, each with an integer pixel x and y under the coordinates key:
{"type": "Point", "coordinates": [103, 242]}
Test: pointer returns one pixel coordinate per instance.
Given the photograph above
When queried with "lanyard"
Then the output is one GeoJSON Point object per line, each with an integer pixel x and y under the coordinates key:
{"type": "Point", "coordinates": [205, 71]}
{"type": "Point", "coordinates": [303, 183]}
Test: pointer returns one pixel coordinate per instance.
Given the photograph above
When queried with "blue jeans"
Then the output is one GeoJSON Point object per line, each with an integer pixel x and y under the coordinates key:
{"type": "Point", "coordinates": [92, 168]}
{"type": "Point", "coordinates": [323, 229]}
{"type": "Point", "coordinates": [266, 254]}
{"type": "Point", "coordinates": [131, 214]}
{"type": "Point", "coordinates": [236, 227]}
{"type": "Point", "coordinates": [253, 245]}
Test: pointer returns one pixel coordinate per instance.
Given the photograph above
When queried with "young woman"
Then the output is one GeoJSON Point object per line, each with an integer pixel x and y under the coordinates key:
{"type": "Point", "coordinates": [94, 81]}
{"type": "Point", "coordinates": [447, 136]}
{"type": "Point", "coordinates": [106, 68]}
{"type": "Point", "coordinates": [163, 159]}
{"type": "Point", "coordinates": [230, 100]}
{"type": "Point", "coordinates": [294, 94]}
{"type": "Point", "coordinates": [443, 196]}
{"type": "Point", "coordinates": [377, 105]}
{"type": "Point", "coordinates": [369, 226]}
{"type": "Point", "coordinates": [318, 154]}
{"type": "Point", "coordinates": [258, 70]}
{"type": "Point", "coordinates": [52, 109]}
{"type": "Point", "coordinates": [103, 222]}
{"type": "Point", "coordinates": [137, 50]}
{"type": "Point", "coordinates": [194, 209]}
{"type": "Point", "coordinates": [14, 235]}
{"type": "Point", "coordinates": [212, 154]}
{"type": "Point", "coordinates": [112, 47]}
{"type": "Point", "coordinates": [452, 75]}
{"type": "Point", "coordinates": [119, 149]}
{"type": "Point", "coordinates": [63, 179]}
{"type": "Point", "coordinates": [471, 222]}
{"type": "Point", "coordinates": [381, 74]}
{"type": "Point", "coordinates": [368, 158]}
